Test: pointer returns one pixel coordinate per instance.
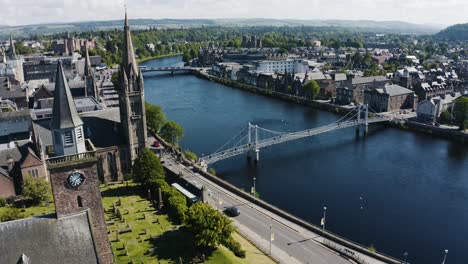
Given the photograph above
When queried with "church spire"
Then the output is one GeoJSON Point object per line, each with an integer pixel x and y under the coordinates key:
{"type": "Point", "coordinates": [87, 69]}
{"type": "Point", "coordinates": [128, 61]}
{"type": "Point", "coordinates": [12, 51]}
{"type": "Point", "coordinates": [64, 114]}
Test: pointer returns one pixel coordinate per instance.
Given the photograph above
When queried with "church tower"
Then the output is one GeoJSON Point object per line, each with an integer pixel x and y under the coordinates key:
{"type": "Point", "coordinates": [12, 50]}
{"type": "Point", "coordinates": [131, 99]}
{"type": "Point", "coordinates": [90, 82]}
{"type": "Point", "coordinates": [73, 168]}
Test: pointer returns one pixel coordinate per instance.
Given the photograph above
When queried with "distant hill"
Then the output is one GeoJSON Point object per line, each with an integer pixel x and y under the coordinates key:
{"type": "Point", "coordinates": [455, 32]}
{"type": "Point", "coordinates": [353, 25]}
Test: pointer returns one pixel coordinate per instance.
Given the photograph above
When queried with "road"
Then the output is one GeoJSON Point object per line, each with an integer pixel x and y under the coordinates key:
{"type": "Point", "coordinates": [292, 243]}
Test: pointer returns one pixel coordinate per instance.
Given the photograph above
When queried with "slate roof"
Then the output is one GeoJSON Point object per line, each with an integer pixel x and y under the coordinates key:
{"type": "Point", "coordinates": [371, 79]}
{"type": "Point", "coordinates": [101, 127]}
{"type": "Point", "coordinates": [46, 239]}
{"type": "Point", "coordinates": [394, 90]}
{"type": "Point", "coordinates": [14, 122]}
{"type": "Point", "coordinates": [340, 77]}
{"type": "Point", "coordinates": [64, 114]}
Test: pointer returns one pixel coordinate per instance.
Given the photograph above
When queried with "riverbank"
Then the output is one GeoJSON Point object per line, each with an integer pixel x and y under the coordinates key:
{"type": "Point", "coordinates": [337, 109]}
{"type": "Point", "coordinates": [159, 57]}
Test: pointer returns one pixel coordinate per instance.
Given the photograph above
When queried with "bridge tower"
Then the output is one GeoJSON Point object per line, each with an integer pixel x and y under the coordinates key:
{"type": "Point", "coordinates": [257, 150]}
{"type": "Point", "coordinates": [358, 120]}
{"type": "Point", "coordinates": [253, 146]}
{"type": "Point", "coordinates": [366, 120]}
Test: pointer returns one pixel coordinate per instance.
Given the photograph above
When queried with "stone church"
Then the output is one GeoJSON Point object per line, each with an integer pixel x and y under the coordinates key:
{"type": "Point", "coordinates": [80, 151]}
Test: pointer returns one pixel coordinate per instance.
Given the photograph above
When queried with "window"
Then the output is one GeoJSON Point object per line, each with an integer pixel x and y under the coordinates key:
{"type": "Point", "coordinates": [80, 201]}
{"type": "Point", "coordinates": [68, 138]}
{"type": "Point", "coordinates": [79, 134]}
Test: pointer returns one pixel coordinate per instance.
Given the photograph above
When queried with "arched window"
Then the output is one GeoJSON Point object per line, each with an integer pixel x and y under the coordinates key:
{"type": "Point", "coordinates": [80, 201]}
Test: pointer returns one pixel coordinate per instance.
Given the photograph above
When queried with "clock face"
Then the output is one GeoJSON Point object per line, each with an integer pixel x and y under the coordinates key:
{"type": "Point", "coordinates": [75, 179]}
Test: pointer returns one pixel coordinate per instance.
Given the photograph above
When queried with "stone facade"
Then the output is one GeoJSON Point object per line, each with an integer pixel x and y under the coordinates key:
{"type": "Point", "coordinates": [69, 200]}
{"type": "Point", "coordinates": [7, 186]}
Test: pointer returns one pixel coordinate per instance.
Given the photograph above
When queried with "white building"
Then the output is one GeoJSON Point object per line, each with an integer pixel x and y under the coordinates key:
{"type": "Point", "coordinates": [431, 109]}
{"type": "Point", "coordinates": [281, 66]}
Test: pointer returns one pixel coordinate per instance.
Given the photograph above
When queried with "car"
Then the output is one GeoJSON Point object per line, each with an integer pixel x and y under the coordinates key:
{"type": "Point", "coordinates": [232, 211]}
{"type": "Point", "coordinates": [156, 144]}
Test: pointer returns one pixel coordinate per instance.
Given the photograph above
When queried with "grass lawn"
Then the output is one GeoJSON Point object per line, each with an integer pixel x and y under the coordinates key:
{"type": "Point", "coordinates": [34, 211]}
{"type": "Point", "coordinates": [153, 238]}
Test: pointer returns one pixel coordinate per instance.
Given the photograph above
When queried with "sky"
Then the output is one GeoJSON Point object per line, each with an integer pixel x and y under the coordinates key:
{"type": "Point", "coordinates": [438, 12]}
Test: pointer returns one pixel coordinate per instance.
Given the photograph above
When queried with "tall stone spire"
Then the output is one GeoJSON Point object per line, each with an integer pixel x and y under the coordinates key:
{"type": "Point", "coordinates": [4, 60]}
{"type": "Point", "coordinates": [131, 100]}
{"type": "Point", "coordinates": [64, 114]}
{"type": "Point", "coordinates": [12, 51]}
{"type": "Point", "coordinates": [91, 88]}
{"type": "Point", "coordinates": [128, 60]}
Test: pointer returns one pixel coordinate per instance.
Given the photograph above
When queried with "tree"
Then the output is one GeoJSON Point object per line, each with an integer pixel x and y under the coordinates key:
{"type": "Point", "coordinates": [147, 167]}
{"type": "Point", "coordinates": [155, 117]}
{"type": "Point", "coordinates": [172, 132]}
{"type": "Point", "coordinates": [35, 190]}
{"type": "Point", "coordinates": [208, 226]}
{"type": "Point", "coordinates": [311, 89]}
{"type": "Point", "coordinates": [460, 112]}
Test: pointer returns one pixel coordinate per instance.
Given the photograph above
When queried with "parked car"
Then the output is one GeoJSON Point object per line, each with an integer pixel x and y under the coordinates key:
{"type": "Point", "coordinates": [232, 211]}
{"type": "Point", "coordinates": [156, 144]}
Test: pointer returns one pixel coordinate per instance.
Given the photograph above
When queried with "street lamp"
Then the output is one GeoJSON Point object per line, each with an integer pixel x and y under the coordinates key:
{"type": "Point", "coordinates": [254, 189]}
{"type": "Point", "coordinates": [272, 237]}
{"type": "Point", "coordinates": [324, 218]}
{"type": "Point", "coordinates": [405, 255]}
{"type": "Point", "coordinates": [445, 256]}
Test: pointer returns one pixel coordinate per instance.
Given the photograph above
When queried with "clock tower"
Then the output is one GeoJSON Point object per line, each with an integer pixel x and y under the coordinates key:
{"type": "Point", "coordinates": [73, 168]}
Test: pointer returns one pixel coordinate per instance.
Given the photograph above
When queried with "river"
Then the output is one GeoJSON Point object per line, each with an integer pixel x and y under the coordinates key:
{"type": "Point", "coordinates": [396, 190]}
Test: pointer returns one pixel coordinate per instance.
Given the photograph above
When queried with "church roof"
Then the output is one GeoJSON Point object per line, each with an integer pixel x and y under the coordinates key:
{"type": "Point", "coordinates": [46, 239]}
{"type": "Point", "coordinates": [98, 125]}
{"type": "Point", "coordinates": [64, 114]}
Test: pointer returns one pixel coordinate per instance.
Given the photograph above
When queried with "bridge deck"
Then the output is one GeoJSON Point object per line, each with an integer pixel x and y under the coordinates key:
{"type": "Point", "coordinates": [282, 138]}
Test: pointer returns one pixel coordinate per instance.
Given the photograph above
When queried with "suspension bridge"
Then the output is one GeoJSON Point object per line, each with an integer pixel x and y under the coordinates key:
{"type": "Point", "coordinates": [253, 138]}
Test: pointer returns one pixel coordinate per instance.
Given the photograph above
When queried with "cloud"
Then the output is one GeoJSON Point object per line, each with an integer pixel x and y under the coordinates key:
{"type": "Point", "coordinates": [19, 12]}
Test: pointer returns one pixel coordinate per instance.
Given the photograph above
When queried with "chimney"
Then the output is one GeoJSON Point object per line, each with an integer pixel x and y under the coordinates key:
{"type": "Point", "coordinates": [11, 163]}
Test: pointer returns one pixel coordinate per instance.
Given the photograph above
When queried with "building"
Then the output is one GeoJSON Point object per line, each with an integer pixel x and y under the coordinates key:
{"type": "Point", "coordinates": [71, 44]}
{"type": "Point", "coordinates": [390, 98]}
{"type": "Point", "coordinates": [11, 65]}
{"type": "Point", "coordinates": [352, 90]}
{"type": "Point", "coordinates": [430, 109]}
{"type": "Point", "coordinates": [7, 185]}
{"type": "Point", "coordinates": [288, 65]}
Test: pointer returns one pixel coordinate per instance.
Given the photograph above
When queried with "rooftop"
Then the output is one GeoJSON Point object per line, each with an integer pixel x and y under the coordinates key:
{"type": "Point", "coordinates": [46, 239]}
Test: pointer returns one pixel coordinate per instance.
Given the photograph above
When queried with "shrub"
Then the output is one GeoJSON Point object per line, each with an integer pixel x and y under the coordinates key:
{"type": "Point", "coordinates": [177, 206]}
{"type": "Point", "coordinates": [3, 202]}
{"type": "Point", "coordinates": [235, 247]}
{"type": "Point", "coordinates": [190, 155]}
{"type": "Point", "coordinates": [11, 214]}
{"type": "Point", "coordinates": [212, 171]}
